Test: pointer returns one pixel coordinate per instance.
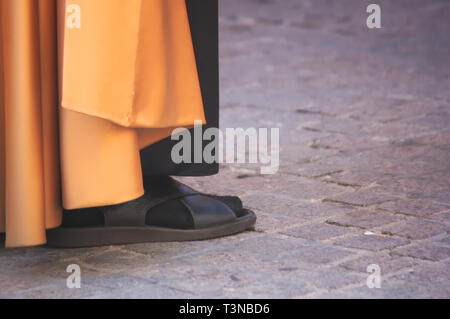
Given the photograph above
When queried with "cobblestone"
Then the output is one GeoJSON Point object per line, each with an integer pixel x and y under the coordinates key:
{"type": "Point", "coordinates": [371, 242]}
{"type": "Point", "coordinates": [424, 250]}
{"type": "Point", "coordinates": [363, 219]}
{"type": "Point", "coordinates": [417, 229]}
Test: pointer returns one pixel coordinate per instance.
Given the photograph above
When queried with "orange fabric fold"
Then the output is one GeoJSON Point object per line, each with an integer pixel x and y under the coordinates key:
{"type": "Point", "coordinates": [125, 79]}
{"type": "Point", "coordinates": [145, 43]}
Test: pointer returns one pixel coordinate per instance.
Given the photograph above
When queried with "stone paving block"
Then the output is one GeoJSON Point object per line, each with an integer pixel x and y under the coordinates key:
{"type": "Point", "coordinates": [160, 253]}
{"type": "Point", "coordinates": [442, 195]}
{"type": "Point", "coordinates": [371, 242]}
{"type": "Point", "coordinates": [390, 289]}
{"type": "Point", "coordinates": [26, 257]}
{"type": "Point", "coordinates": [437, 139]}
{"type": "Point", "coordinates": [434, 120]}
{"type": "Point", "coordinates": [417, 229]}
{"type": "Point", "coordinates": [307, 211]}
{"type": "Point", "coordinates": [306, 189]}
{"type": "Point", "coordinates": [275, 287]}
{"type": "Point", "coordinates": [227, 182]}
{"type": "Point", "coordinates": [360, 198]}
{"type": "Point", "coordinates": [445, 241]}
{"type": "Point", "coordinates": [320, 255]}
{"type": "Point", "coordinates": [410, 168]}
{"type": "Point", "coordinates": [55, 291]}
{"type": "Point", "coordinates": [289, 195]}
{"type": "Point", "coordinates": [281, 285]}
{"type": "Point", "coordinates": [424, 250]}
{"type": "Point", "coordinates": [332, 278]}
{"type": "Point", "coordinates": [116, 286]}
{"type": "Point", "coordinates": [272, 222]}
{"type": "Point", "coordinates": [292, 154]}
{"type": "Point", "coordinates": [122, 285]}
{"type": "Point", "coordinates": [246, 116]}
{"type": "Point", "coordinates": [387, 263]}
{"type": "Point", "coordinates": [57, 270]}
{"type": "Point", "coordinates": [195, 280]}
{"type": "Point", "coordinates": [33, 278]}
{"type": "Point", "coordinates": [434, 276]}
{"type": "Point", "coordinates": [362, 161]}
{"type": "Point", "coordinates": [394, 131]}
{"type": "Point", "coordinates": [20, 280]}
{"type": "Point", "coordinates": [289, 250]}
{"type": "Point", "coordinates": [311, 170]}
{"type": "Point", "coordinates": [415, 207]}
{"type": "Point", "coordinates": [253, 181]}
{"type": "Point", "coordinates": [399, 154]}
{"type": "Point", "coordinates": [336, 125]}
{"type": "Point", "coordinates": [418, 187]}
{"type": "Point", "coordinates": [363, 219]}
{"type": "Point", "coordinates": [344, 144]}
{"type": "Point", "coordinates": [29, 268]}
{"type": "Point", "coordinates": [443, 217]}
{"type": "Point", "coordinates": [118, 260]}
{"type": "Point", "coordinates": [356, 178]}
{"type": "Point", "coordinates": [267, 202]}
{"type": "Point", "coordinates": [318, 231]}
{"type": "Point", "coordinates": [387, 109]}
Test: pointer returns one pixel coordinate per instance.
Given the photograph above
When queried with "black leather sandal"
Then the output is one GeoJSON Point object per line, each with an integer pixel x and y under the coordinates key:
{"type": "Point", "coordinates": [169, 211]}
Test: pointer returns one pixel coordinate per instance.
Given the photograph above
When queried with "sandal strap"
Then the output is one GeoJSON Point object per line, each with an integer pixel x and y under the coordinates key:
{"type": "Point", "coordinates": [131, 213]}
{"type": "Point", "coordinates": [198, 204]}
{"type": "Point", "coordinates": [136, 210]}
{"type": "Point", "coordinates": [206, 211]}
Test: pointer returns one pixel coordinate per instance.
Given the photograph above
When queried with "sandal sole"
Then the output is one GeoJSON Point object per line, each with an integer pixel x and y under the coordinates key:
{"type": "Point", "coordinates": [101, 236]}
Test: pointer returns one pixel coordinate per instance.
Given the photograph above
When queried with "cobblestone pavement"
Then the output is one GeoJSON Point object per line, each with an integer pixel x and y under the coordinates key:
{"type": "Point", "coordinates": [364, 117]}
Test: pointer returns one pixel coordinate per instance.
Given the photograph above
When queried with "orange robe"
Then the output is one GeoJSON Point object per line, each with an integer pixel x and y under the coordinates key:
{"type": "Point", "coordinates": [79, 99]}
